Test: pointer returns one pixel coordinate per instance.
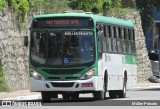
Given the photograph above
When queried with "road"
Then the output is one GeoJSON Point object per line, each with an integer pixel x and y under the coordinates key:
{"type": "Point", "coordinates": [136, 95]}
{"type": "Point", "coordinates": [134, 99]}
{"type": "Point", "coordinates": [87, 99]}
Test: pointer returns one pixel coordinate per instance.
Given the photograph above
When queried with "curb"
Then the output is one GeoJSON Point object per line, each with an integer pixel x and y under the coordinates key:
{"type": "Point", "coordinates": [28, 97]}
{"type": "Point", "coordinates": [146, 87]}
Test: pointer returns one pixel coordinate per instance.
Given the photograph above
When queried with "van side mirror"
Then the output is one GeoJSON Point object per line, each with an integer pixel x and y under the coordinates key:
{"type": "Point", "coordinates": [26, 41]}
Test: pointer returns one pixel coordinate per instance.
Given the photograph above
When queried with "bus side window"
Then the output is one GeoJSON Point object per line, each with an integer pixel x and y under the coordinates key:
{"type": "Point", "coordinates": [100, 43]}
{"type": "Point", "coordinates": [120, 32]}
{"type": "Point", "coordinates": [133, 35]}
{"type": "Point", "coordinates": [115, 32]}
{"type": "Point", "coordinates": [129, 40]}
{"type": "Point", "coordinates": [119, 42]}
{"type": "Point", "coordinates": [125, 33]}
{"type": "Point", "coordinates": [124, 40]}
{"type": "Point", "coordinates": [109, 42]}
{"type": "Point", "coordinates": [133, 42]}
{"type": "Point", "coordinates": [104, 39]}
{"type": "Point", "coordinates": [114, 38]}
{"type": "Point", "coordinates": [130, 34]}
{"type": "Point", "coordinates": [110, 31]}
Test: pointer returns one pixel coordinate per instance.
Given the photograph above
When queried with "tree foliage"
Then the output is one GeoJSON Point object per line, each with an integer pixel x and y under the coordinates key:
{"type": "Point", "coordinates": [21, 7]}
{"type": "Point", "coordinates": [3, 4]}
{"type": "Point", "coordinates": [55, 6]}
{"type": "Point", "coordinates": [48, 6]}
{"type": "Point", "coordinates": [146, 11]}
{"type": "Point", "coordinates": [88, 5]}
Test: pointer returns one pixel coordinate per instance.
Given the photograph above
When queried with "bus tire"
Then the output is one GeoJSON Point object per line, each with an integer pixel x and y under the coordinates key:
{"type": "Point", "coordinates": [100, 95]}
{"type": "Point", "coordinates": [113, 94]}
{"type": "Point", "coordinates": [122, 93]}
{"type": "Point", "coordinates": [46, 96]}
{"type": "Point", "coordinates": [66, 96]}
{"type": "Point", "coordinates": [106, 81]}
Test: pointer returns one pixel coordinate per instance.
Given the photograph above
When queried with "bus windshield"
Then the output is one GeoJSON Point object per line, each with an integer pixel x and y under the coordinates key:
{"type": "Point", "coordinates": [62, 48]}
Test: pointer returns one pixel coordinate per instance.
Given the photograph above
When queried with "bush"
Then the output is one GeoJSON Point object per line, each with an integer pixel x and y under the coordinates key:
{"type": "Point", "coordinates": [3, 85]}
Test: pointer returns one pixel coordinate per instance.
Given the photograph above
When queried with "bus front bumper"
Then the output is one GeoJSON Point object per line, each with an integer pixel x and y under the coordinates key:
{"type": "Point", "coordinates": [76, 85]}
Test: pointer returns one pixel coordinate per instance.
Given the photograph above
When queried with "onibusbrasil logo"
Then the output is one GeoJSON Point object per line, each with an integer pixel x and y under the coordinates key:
{"type": "Point", "coordinates": [20, 103]}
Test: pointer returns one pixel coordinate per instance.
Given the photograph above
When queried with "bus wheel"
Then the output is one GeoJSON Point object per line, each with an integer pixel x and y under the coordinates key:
{"type": "Point", "coordinates": [74, 96]}
{"type": "Point", "coordinates": [113, 94]}
{"type": "Point", "coordinates": [46, 96]}
{"type": "Point", "coordinates": [100, 95]}
{"type": "Point", "coordinates": [122, 93]}
{"type": "Point", "coordinates": [66, 96]}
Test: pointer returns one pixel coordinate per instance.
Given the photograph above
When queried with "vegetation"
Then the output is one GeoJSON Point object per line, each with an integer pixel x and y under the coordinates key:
{"type": "Point", "coordinates": [95, 5]}
{"type": "Point", "coordinates": [21, 7]}
{"type": "Point", "coordinates": [48, 6]}
{"type": "Point", "coordinates": [3, 4]}
{"type": "Point", "coordinates": [120, 13]}
{"type": "Point", "coordinates": [3, 86]}
{"type": "Point", "coordinates": [145, 7]}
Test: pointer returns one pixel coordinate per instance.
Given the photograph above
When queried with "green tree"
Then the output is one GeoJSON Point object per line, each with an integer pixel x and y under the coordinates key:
{"type": "Point", "coordinates": [87, 5]}
{"type": "Point", "coordinates": [55, 6]}
{"type": "Point", "coordinates": [48, 6]}
{"type": "Point", "coordinates": [20, 7]}
{"type": "Point", "coordinates": [3, 4]}
{"type": "Point", "coordinates": [146, 11]}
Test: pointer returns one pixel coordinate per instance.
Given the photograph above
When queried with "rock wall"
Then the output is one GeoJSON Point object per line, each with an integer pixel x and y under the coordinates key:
{"type": "Point", "coordinates": [15, 55]}
{"type": "Point", "coordinates": [12, 51]}
{"type": "Point", "coordinates": [144, 69]}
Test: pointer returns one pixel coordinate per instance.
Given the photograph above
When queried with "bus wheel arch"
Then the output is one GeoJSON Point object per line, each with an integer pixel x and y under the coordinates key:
{"type": "Point", "coordinates": [125, 75]}
{"type": "Point", "coordinates": [106, 80]}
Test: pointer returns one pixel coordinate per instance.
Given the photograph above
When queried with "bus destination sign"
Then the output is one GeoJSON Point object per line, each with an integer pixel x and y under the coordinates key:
{"type": "Point", "coordinates": [63, 22]}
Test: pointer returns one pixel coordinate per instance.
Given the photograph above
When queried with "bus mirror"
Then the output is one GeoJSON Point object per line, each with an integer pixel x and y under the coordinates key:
{"type": "Point", "coordinates": [26, 41]}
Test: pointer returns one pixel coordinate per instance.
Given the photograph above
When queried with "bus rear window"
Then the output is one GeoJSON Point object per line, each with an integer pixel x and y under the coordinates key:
{"type": "Point", "coordinates": [63, 22]}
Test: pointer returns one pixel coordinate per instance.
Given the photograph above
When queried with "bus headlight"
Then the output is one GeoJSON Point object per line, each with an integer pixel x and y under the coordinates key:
{"type": "Point", "coordinates": [88, 74]}
{"type": "Point", "coordinates": [36, 75]}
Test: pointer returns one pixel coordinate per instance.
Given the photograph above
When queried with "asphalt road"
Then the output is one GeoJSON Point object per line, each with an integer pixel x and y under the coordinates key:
{"type": "Point", "coordinates": [135, 98]}
{"type": "Point", "coordinates": [87, 99]}
{"type": "Point", "coordinates": [138, 96]}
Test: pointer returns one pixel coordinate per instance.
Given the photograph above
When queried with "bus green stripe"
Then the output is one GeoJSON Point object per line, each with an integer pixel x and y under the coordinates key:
{"type": "Point", "coordinates": [128, 59]}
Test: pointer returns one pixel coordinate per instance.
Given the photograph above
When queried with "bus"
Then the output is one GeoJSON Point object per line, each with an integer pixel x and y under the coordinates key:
{"type": "Point", "coordinates": [77, 53]}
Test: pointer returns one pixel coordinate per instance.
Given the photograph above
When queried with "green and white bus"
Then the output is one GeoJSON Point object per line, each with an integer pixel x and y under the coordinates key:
{"type": "Point", "coordinates": [74, 53]}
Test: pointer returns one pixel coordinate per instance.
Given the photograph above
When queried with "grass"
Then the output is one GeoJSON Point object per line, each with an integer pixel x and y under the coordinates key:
{"type": "Point", "coordinates": [3, 85]}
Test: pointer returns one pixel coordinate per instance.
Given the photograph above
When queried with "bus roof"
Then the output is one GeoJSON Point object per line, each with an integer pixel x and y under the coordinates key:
{"type": "Point", "coordinates": [96, 18]}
